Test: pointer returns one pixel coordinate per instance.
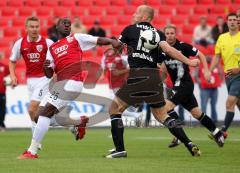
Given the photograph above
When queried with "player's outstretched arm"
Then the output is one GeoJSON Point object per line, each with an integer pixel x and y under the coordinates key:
{"type": "Point", "coordinates": [12, 67]}
{"type": "Point", "coordinates": [214, 62]}
{"type": "Point", "coordinates": [174, 53]}
{"type": "Point", "coordinates": [107, 41]}
{"type": "Point", "coordinates": [48, 71]}
{"type": "Point", "coordinates": [207, 73]}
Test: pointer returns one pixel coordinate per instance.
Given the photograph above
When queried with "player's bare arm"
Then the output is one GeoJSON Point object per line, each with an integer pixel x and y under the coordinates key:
{"type": "Point", "coordinates": [172, 52]}
{"type": "Point", "coordinates": [12, 67]}
{"type": "Point", "coordinates": [48, 71]}
{"type": "Point", "coordinates": [120, 72]}
{"type": "Point", "coordinates": [107, 41]}
{"type": "Point", "coordinates": [207, 73]}
{"type": "Point", "coordinates": [214, 62]}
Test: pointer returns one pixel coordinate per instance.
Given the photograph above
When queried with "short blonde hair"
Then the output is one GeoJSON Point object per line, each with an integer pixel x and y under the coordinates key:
{"type": "Point", "coordinates": [170, 26]}
{"type": "Point", "coordinates": [32, 18]}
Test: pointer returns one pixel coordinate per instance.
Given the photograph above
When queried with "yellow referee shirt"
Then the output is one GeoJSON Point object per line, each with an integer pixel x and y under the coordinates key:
{"type": "Point", "coordinates": [229, 49]}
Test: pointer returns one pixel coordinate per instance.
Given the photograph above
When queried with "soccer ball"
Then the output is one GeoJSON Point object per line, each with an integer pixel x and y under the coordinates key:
{"type": "Point", "coordinates": [150, 39]}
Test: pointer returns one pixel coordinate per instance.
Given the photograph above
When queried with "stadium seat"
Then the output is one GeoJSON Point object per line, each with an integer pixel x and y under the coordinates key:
{"type": "Point", "coordinates": [205, 2]}
{"type": "Point", "coordinates": [161, 20]}
{"type": "Point", "coordinates": [153, 3]}
{"type": "Point", "coordinates": [137, 2]}
{"type": "Point", "coordinates": [219, 10]}
{"type": "Point", "coordinates": [113, 10]}
{"type": "Point", "coordinates": [183, 10]}
{"type": "Point", "coordinates": [10, 32]}
{"type": "Point", "coordinates": [212, 19]}
{"type": "Point", "coordinates": [18, 22]}
{"type": "Point", "coordinates": [5, 21]}
{"type": "Point", "coordinates": [31, 3]}
{"type": "Point", "coordinates": [89, 20]}
{"type": "Point", "coordinates": [224, 2]}
{"type": "Point", "coordinates": [26, 11]}
{"type": "Point", "coordinates": [3, 3]}
{"type": "Point", "coordinates": [116, 31]}
{"type": "Point", "coordinates": [107, 21]}
{"type": "Point", "coordinates": [124, 20]}
{"type": "Point", "coordinates": [102, 3]}
{"type": "Point", "coordinates": [129, 11]}
{"type": "Point", "coordinates": [188, 2]}
{"type": "Point", "coordinates": [188, 29]}
{"type": "Point", "coordinates": [83, 3]}
{"type": "Point", "coordinates": [200, 10]}
{"type": "Point", "coordinates": [165, 10]}
{"type": "Point", "coordinates": [44, 11]}
{"type": "Point", "coordinates": [5, 43]}
{"type": "Point", "coordinates": [236, 2]}
{"type": "Point", "coordinates": [68, 3]}
{"type": "Point", "coordinates": [52, 3]}
{"type": "Point", "coordinates": [78, 11]}
{"type": "Point", "coordinates": [61, 12]}
{"type": "Point", "coordinates": [119, 2]}
{"type": "Point", "coordinates": [187, 38]}
{"type": "Point", "coordinates": [16, 3]}
{"type": "Point", "coordinates": [178, 20]}
{"type": "Point", "coordinates": [171, 2]}
{"type": "Point", "coordinates": [234, 7]}
{"type": "Point", "coordinates": [193, 19]}
{"type": "Point", "coordinates": [6, 53]}
{"type": "Point", "coordinates": [95, 11]}
{"type": "Point", "coordinates": [9, 11]}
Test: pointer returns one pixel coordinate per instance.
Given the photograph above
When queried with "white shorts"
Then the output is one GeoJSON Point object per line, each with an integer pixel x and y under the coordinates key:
{"type": "Point", "coordinates": [55, 96]}
{"type": "Point", "coordinates": [37, 88]}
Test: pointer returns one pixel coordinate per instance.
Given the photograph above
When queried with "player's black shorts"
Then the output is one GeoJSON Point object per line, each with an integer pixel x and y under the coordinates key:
{"type": "Point", "coordinates": [184, 96]}
{"type": "Point", "coordinates": [143, 85]}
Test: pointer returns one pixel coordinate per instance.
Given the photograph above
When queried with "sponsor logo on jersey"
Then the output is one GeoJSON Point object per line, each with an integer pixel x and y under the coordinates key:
{"type": "Point", "coordinates": [61, 49]}
{"type": "Point", "coordinates": [33, 57]}
{"type": "Point", "coordinates": [39, 47]}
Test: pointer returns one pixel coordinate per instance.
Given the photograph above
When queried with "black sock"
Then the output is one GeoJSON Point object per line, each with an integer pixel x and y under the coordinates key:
{"type": "Point", "coordinates": [176, 130]}
{"type": "Point", "coordinates": [172, 113]}
{"type": "Point", "coordinates": [228, 120]}
{"type": "Point", "coordinates": [117, 132]}
{"type": "Point", "coordinates": [207, 122]}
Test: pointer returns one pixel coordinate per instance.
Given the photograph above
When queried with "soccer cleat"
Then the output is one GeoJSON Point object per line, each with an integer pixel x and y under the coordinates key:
{"type": "Point", "coordinates": [193, 149]}
{"type": "Point", "coordinates": [27, 155]}
{"type": "Point", "coordinates": [225, 134]}
{"type": "Point", "coordinates": [80, 130]}
{"type": "Point", "coordinates": [218, 138]}
{"type": "Point", "coordinates": [112, 150]}
{"type": "Point", "coordinates": [175, 142]}
{"type": "Point", "coordinates": [116, 154]}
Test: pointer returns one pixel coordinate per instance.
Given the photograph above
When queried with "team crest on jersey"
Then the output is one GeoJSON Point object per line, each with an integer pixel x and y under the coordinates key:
{"type": "Point", "coordinates": [39, 47]}
{"type": "Point", "coordinates": [69, 39]}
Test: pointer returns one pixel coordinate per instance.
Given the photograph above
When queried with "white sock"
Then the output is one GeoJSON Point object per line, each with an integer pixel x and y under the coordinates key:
{"type": "Point", "coordinates": [215, 131]}
{"type": "Point", "coordinates": [39, 132]}
{"type": "Point", "coordinates": [33, 126]}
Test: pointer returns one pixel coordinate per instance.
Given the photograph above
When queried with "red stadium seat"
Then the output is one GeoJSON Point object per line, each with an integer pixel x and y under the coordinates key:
{"type": "Point", "coordinates": [200, 10]}
{"type": "Point", "coordinates": [137, 2]}
{"type": "Point", "coordinates": [3, 3]}
{"type": "Point", "coordinates": [68, 3]}
{"type": "Point", "coordinates": [61, 12]}
{"type": "Point", "coordinates": [10, 32]}
{"type": "Point", "coordinates": [165, 10]}
{"type": "Point", "coordinates": [102, 3]}
{"type": "Point", "coordinates": [116, 31]}
{"type": "Point", "coordinates": [124, 20]}
{"type": "Point", "coordinates": [52, 3]}
{"type": "Point", "coordinates": [95, 11]}
{"type": "Point", "coordinates": [78, 11]}
{"type": "Point", "coordinates": [44, 11]}
{"type": "Point", "coordinates": [182, 10]}
{"type": "Point", "coordinates": [219, 9]}
{"type": "Point", "coordinates": [193, 19]}
{"type": "Point", "coordinates": [25, 11]}
{"type": "Point", "coordinates": [119, 2]}
{"type": "Point", "coordinates": [130, 10]}
{"type": "Point", "coordinates": [18, 21]}
{"type": "Point", "coordinates": [233, 8]}
{"type": "Point", "coordinates": [5, 21]}
{"type": "Point", "coordinates": [187, 38]}
{"type": "Point", "coordinates": [7, 43]}
{"type": "Point", "coordinates": [212, 19]}
{"type": "Point", "coordinates": [178, 20]}
{"type": "Point", "coordinates": [83, 3]}
{"type": "Point", "coordinates": [107, 21]}
{"type": "Point", "coordinates": [171, 2]}
{"type": "Point", "coordinates": [32, 3]}
{"type": "Point", "coordinates": [188, 29]}
{"type": "Point", "coordinates": [113, 10]}
{"type": "Point", "coordinates": [9, 11]}
{"type": "Point", "coordinates": [224, 2]}
{"type": "Point", "coordinates": [161, 20]}
{"type": "Point", "coordinates": [89, 20]}
{"type": "Point", "coordinates": [189, 2]}
{"type": "Point", "coordinates": [15, 3]}
{"type": "Point", "coordinates": [153, 3]}
{"type": "Point", "coordinates": [236, 2]}
{"type": "Point", "coordinates": [205, 2]}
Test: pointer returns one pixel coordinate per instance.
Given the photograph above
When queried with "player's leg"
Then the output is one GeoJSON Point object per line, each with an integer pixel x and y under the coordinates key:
{"type": "Point", "coordinates": [213, 103]}
{"type": "Point", "coordinates": [160, 113]}
{"type": "Point", "coordinates": [32, 110]}
{"type": "Point", "coordinates": [117, 129]}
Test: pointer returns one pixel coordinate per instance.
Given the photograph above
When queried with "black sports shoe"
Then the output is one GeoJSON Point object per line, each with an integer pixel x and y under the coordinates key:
{"type": "Point", "coordinates": [218, 138]}
{"type": "Point", "coordinates": [175, 142]}
{"type": "Point", "coordinates": [193, 149]}
{"type": "Point", "coordinates": [116, 154]}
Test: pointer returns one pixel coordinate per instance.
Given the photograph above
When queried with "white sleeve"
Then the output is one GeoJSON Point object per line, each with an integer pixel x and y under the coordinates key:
{"type": "Point", "coordinates": [49, 57]}
{"type": "Point", "coordinates": [125, 60]}
{"type": "Point", "coordinates": [103, 62]}
{"type": "Point", "coordinates": [49, 42]}
{"type": "Point", "coordinates": [16, 54]}
{"type": "Point", "coordinates": [86, 41]}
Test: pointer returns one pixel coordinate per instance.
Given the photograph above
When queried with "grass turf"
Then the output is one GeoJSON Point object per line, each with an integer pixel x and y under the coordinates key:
{"type": "Point", "coordinates": [147, 152]}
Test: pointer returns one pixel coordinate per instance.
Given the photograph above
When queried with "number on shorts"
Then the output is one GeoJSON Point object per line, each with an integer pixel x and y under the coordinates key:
{"type": "Point", "coordinates": [40, 93]}
{"type": "Point", "coordinates": [54, 95]}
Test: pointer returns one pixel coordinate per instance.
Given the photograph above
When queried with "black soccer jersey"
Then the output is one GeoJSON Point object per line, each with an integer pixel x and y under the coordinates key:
{"type": "Point", "coordinates": [178, 71]}
{"type": "Point", "coordinates": [140, 57]}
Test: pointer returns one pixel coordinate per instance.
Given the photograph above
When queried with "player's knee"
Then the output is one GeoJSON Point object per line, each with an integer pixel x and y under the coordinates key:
{"type": "Point", "coordinates": [196, 113]}
{"type": "Point", "coordinates": [230, 104]}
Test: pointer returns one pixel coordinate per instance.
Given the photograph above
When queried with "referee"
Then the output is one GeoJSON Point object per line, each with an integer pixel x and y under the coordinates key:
{"type": "Point", "coordinates": [228, 48]}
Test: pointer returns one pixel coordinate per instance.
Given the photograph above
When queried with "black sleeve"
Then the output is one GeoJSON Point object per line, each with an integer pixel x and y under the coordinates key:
{"type": "Point", "coordinates": [124, 35]}
{"type": "Point", "coordinates": [162, 36]}
{"type": "Point", "coordinates": [189, 50]}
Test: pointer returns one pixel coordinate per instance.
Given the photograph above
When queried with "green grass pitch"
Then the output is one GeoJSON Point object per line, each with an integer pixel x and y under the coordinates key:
{"type": "Point", "coordinates": [147, 152]}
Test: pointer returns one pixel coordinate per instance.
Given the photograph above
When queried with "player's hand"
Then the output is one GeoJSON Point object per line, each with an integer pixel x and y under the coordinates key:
{"type": "Point", "coordinates": [207, 76]}
{"type": "Point", "coordinates": [233, 71]}
{"type": "Point", "coordinates": [116, 44]}
{"type": "Point", "coordinates": [194, 62]}
{"type": "Point", "coordinates": [13, 81]}
{"type": "Point", "coordinates": [46, 63]}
